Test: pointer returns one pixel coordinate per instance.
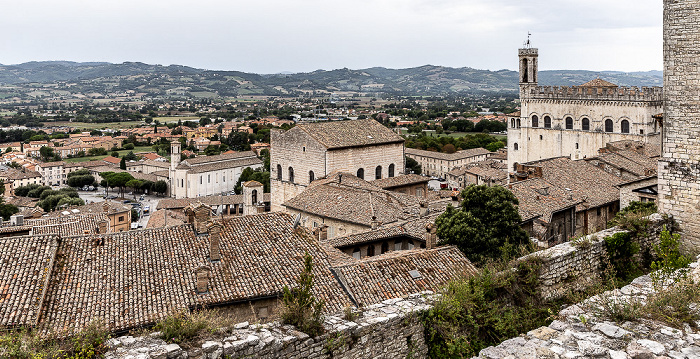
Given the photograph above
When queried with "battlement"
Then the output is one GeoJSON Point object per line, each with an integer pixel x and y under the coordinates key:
{"type": "Point", "coordinates": [527, 51]}
{"type": "Point", "coordinates": [644, 94]}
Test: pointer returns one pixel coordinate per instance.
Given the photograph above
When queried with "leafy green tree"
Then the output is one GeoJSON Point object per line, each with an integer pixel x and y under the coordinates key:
{"type": "Point", "coordinates": [131, 156]}
{"type": "Point", "coordinates": [117, 179]}
{"type": "Point", "coordinates": [250, 174]}
{"type": "Point", "coordinates": [160, 187]}
{"type": "Point", "coordinates": [46, 153]}
{"type": "Point", "coordinates": [81, 181]}
{"type": "Point", "coordinates": [135, 185]}
{"type": "Point", "coordinates": [412, 166]}
{"type": "Point", "coordinates": [301, 308]}
{"type": "Point", "coordinates": [7, 210]}
{"type": "Point", "coordinates": [96, 151]}
{"type": "Point", "coordinates": [485, 226]}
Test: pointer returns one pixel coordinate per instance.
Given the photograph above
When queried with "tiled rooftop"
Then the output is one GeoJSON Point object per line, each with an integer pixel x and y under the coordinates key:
{"type": "Point", "coordinates": [172, 203]}
{"type": "Point", "coordinates": [402, 180]}
{"type": "Point", "coordinates": [351, 133]}
{"type": "Point", "coordinates": [397, 274]}
{"type": "Point", "coordinates": [25, 269]}
{"type": "Point", "coordinates": [464, 154]}
{"type": "Point", "coordinates": [539, 197]}
{"type": "Point", "coordinates": [347, 198]}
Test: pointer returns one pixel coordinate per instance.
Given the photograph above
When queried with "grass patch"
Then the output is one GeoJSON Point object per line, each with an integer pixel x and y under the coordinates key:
{"type": "Point", "coordinates": [121, 153]}
{"type": "Point", "coordinates": [189, 329]}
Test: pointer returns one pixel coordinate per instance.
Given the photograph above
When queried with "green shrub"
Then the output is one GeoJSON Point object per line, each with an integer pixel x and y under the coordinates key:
{"type": "Point", "coordinates": [621, 249]}
{"type": "Point", "coordinates": [669, 263]}
{"type": "Point", "coordinates": [182, 326]}
{"type": "Point", "coordinates": [27, 344]}
{"type": "Point", "coordinates": [484, 310]}
{"type": "Point", "coordinates": [301, 308]}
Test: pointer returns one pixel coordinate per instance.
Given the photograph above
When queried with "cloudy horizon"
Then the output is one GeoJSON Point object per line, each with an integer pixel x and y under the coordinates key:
{"type": "Point", "coordinates": [275, 36]}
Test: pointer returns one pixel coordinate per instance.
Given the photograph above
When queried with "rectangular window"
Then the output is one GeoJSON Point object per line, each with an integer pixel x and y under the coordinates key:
{"type": "Point", "coordinates": [208, 178]}
{"type": "Point", "coordinates": [121, 218]}
{"type": "Point", "coordinates": [200, 180]}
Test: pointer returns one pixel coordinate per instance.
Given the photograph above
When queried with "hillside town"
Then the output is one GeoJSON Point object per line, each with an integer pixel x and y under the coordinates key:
{"type": "Point", "coordinates": [561, 222]}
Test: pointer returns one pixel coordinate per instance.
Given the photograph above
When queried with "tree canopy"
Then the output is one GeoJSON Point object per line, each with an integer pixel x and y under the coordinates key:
{"type": "Point", "coordinates": [485, 226]}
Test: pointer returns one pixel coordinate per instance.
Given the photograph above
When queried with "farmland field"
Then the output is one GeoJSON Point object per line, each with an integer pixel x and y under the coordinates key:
{"type": "Point", "coordinates": [121, 153]}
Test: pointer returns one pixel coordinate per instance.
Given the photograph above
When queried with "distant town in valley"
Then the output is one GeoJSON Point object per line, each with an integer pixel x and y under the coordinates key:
{"type": "Point", "coordinates": [153, 211]}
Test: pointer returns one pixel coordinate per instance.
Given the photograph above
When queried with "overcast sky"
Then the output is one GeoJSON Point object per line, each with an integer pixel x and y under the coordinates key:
{"type": "Point", "coordinates": [271, 36]}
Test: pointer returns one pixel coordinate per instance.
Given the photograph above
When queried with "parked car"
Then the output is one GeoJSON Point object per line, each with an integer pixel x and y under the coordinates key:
{"type": "Point", "coordinates": [146, 209]}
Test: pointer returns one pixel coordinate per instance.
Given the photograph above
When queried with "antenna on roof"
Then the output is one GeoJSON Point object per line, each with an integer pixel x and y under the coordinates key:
{"type": "Point", "coordinates": [527, 43]}
{"type": "Point", "coordinates": [296, 220]}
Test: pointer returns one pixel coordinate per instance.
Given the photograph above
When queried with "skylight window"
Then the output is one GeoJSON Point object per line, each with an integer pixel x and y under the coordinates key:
{"type": "Point", "coordinates": [415, 274]}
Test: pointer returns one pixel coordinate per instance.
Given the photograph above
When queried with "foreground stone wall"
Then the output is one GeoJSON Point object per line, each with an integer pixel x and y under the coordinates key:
{"type": "Point", "coordinates": [391, 329]}
{"type": "Point", "coordinates": [574, 265]}
{"type": "Point", "coordinates": [679, 166]}
{"type": "Point", "coordinates": [580, 332]}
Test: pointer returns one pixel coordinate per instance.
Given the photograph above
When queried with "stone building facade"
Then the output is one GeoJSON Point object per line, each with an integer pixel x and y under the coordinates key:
{"type": "Point", "coordinates": [438, 164]}
{"type": "Point", "coordinates": [679, 166]}
{"type": "Point", "coordinates": [311, 151]}
{"type": "Point", "coordinates": [577, 121]}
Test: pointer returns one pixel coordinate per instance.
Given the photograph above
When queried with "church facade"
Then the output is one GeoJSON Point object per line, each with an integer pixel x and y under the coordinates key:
{"type": "Point", "coordinates": [577, 121]}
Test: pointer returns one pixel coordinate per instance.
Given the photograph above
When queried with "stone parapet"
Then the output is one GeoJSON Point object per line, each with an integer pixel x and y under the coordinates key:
{"type": "Point", "coordinates": [645, 94]}
{"type": "Point", "coordinates": [391, 329]}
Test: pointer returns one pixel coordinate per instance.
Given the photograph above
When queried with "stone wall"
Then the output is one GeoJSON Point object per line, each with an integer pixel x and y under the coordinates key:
{"type": "Point", "coordinates": [679, 167]}
{"type": "Point", "coordinates": [574, 265]}
{"type": "Point", "coordinates": [391, 329]}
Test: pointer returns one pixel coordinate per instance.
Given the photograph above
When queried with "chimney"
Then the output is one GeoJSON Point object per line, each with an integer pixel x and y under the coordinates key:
{"type": "Point", "coordinates": [430, 236]}
{"type": "Point", "coordinates": [375, 222]}
{"type": "Point", "coordinates": [198, 215]}
{"type": "Point", "coordinates": [323, 233]}
{"type": "Point", "coordinates": [105, 206]}
{"type": "Point", "coordinates": [215, 241]}
{"type": "Point", "coordinates": [202, 273]}
{"type": "Point", "coordinates": [424, 210]}
{"type": "Point", "coordinates": [102, 227]}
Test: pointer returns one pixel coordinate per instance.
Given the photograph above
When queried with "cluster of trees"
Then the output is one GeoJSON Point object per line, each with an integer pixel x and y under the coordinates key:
{"type": "Point", "coordinates": [51, 199]}
{"type": "Point", "coordinates": [250, 174]}
{"type": "Point", "coordinates": [412, 166]}
{"type": "Point", "coordinates": [81, 178]}
{"type": "Point", "coordinates": [450, 144]}
{"type": "Point", "coordinates": [123, 180]}
{"type": "Point", "coordinates": [7, 210]}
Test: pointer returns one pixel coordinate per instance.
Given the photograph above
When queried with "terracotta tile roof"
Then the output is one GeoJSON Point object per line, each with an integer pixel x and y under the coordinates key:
{"type": "Point", "coordinates": [202, 160]}
{"type": "Point", "coordinates": [350, 133]}
{"type": "Point", "coordinates": [158, 219]}
{"type": "Point", "coordinates": [538, 197]}
{"type": "Point", "coordinates": [172, 203]}
{"type": "Point", "coordinates": [73, 225]}
{"type": "Point", "coordinates": [92, 208]}
{"type": "Point", "coordinates": [25, 269]}
{"type": "Point", "coordinates": [345, 197]}
{"type": "Point", "coordinates": [112, 160]}
{"type": "Point", "coordinates": [233, 163]}
{"type": "Point", "coordinates": [400, 273]}
{"type": "Point", "coordinates": [134, 278]}
{"type": "Point", "coordinates": [598, 83]}
{"type": "Point", "coordinates": [15, 174]}
{"type": "Point", "coordinates": [51, 164]}
{"type": "Point", "coordinates": [589, 184]}
{"type": "Point", "coordinates": [151, 156]}
{"type": "Point", "coordinates": [414, 228]}
{"type": "Point", "coordinates": [459, 155]}
{"type": "Point", "coordinates": [401, 180]}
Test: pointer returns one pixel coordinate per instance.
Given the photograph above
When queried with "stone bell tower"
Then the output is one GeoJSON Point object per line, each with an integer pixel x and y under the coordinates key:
{"type": "Point", "coordinates": [527, 57]}
{"type": "Point", "coordinates": [679, 166]}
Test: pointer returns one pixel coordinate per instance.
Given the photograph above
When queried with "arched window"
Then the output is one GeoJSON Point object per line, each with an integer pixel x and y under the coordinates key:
{"type": "Point", "coordinates": [535, 121]}
{"type": "Point", "coordinates": [547, 122]}
{"type": "Point", "coordinates": [569, 123]}
{"type": "Point", "coordinates": [515, 147]}
{"type": "Point", "coordinates": [517, 123]}
{"type": "Point", "coordinates": [370, 250]}
{"type": "Point", "coordinates": [608, 125]}
{"type": "Point", "coordinates": [625, 126]}
{"type": "Point", "coordinates": [585, 124]}
{"type": "Point", "coordinates": [512, 123]}
{"type": "Point", "coordinates": [291, 174]}
{"type": "Point", "coordinates": [378, 172]}
{"type": "Point", "coordinates": [279, 172]}
{"type": "Point", "coordinates": [254, 197]}
{"type": "Point", "coordinates": [391, 170]}
{"type": "Point", "coordinates": [311, 176]}
{"type": "Point", "coordinates": [361, 173]}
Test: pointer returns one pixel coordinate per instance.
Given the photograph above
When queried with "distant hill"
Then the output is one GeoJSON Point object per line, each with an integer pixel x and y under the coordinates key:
{"type": "Point", "coordinates": [183, 80]}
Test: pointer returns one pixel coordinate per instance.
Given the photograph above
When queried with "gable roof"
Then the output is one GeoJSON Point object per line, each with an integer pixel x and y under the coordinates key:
{"type": "Point", "coordinates": [459, 155]}
{"type": "Point", "coordinates": [401, 180]}
{"type": "Point", "coordinates": [349, 133]}
{"type": "Point", "coordinates": [111, 159]}
{"type": "Point", "coordinates": [537, 197]}
{"type": "Point", "coordinates": [598, 83]}
{"type": "Point", "coordinates": [347, 198]}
